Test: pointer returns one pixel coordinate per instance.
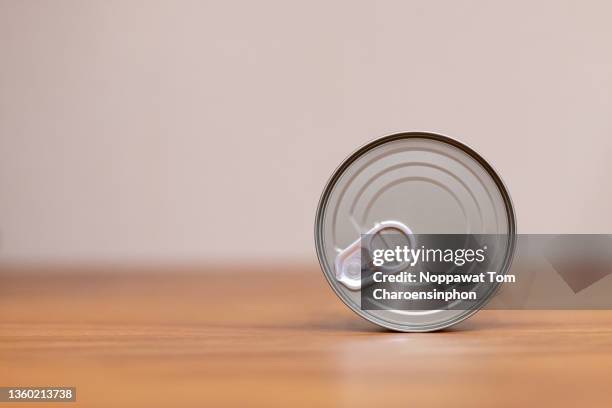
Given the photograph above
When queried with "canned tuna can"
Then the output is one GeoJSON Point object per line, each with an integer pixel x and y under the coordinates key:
{"type": "Point", "coordinates": [412, 183]}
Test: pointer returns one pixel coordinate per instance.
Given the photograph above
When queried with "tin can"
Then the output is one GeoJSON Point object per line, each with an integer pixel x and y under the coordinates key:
{"type": "Point", "coordinates": [415, 183]}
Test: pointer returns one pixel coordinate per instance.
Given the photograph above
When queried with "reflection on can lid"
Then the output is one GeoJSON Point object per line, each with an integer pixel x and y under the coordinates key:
{"type": "Point", "coordinates": [429, 183]}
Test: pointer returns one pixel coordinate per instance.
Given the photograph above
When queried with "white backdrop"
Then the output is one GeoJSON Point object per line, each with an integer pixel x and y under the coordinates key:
{"type": "Point", "coordinates": [167, 130]}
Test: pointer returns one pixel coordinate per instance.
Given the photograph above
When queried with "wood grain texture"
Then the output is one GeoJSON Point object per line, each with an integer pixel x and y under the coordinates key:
{"type": "Point", "coordinates": [279, 337]}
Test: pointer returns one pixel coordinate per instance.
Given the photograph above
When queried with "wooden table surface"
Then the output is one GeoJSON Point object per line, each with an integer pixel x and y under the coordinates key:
{"type": "Point", "coordinates": [210, 337]}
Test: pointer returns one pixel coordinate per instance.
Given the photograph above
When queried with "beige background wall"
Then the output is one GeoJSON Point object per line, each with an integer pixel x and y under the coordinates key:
{"type": "Point", "coordinates": [165, 130]}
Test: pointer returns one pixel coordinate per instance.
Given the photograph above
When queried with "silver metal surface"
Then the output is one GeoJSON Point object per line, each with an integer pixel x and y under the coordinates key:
{"type": "Point", "coordinates": [429, 183]}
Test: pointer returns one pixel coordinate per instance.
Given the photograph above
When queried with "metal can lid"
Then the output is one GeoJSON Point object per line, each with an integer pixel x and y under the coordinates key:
{"type": "Point", "coordinates": [429, 183]}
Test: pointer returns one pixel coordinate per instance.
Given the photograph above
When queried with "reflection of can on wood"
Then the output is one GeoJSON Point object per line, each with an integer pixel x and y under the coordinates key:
{"type": "Point", "coordinates": [417, 183]}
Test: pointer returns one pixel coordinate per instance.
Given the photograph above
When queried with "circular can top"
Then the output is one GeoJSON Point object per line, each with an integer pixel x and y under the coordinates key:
{"type": "Point", "coordinates": [421, 183]}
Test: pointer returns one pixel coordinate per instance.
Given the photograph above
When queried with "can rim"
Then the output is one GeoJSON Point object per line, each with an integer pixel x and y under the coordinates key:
{"type": "Point", "coordinates": [331, 182]}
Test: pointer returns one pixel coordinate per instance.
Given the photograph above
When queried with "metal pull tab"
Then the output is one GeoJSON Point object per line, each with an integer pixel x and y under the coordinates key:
{"type": "Point", "coordinates": [348, 261]}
